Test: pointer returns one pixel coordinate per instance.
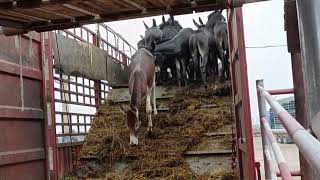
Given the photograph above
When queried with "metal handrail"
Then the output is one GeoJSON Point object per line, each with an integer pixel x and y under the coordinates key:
{"type": "Point", "coordinates": [282, 164]}
{"type": "Point", "coordinates": [267, 154]}
{"type": "Point", "coordinates": [307, 144]}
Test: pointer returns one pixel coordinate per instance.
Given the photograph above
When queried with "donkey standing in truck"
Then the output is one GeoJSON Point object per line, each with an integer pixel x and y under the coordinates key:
{"type": "Point", "coordinates": [141, 85]}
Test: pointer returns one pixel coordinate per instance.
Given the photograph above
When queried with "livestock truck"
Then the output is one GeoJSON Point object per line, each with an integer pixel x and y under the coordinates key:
{"type": "Point", "coordinates": [50, 69]}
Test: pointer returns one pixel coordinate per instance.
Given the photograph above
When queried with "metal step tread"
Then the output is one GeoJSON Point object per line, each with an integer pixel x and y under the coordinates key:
{"type": "Point", "coordinates": [217, 134]}
{"type": "Point", "coordinates": [208, 153]}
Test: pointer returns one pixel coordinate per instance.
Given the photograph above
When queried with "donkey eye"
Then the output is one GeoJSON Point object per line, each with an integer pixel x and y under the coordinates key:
{"type": "Point", "coordinates": [137, 125]}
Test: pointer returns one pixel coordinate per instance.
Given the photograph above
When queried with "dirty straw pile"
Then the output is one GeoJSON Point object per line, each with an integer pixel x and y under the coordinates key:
{"type": "Point", "coordinates": [159, 155]}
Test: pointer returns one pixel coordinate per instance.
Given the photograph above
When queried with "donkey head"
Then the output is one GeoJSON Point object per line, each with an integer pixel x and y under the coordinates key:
{"type": "Point", "coordinates": [131, 118]}
{"type": "Point", "coordinates": [153, 35]}
{"type": "Point", "coordinates": [215, 17]}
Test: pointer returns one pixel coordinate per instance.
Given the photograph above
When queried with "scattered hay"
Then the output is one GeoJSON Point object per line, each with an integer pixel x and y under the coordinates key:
{"type": "Point", "coordinates": [159, 156]}
{"type": "Point", "coordinates": [224, 175]}
{"type": "Point", "coordinates": [69, 177]}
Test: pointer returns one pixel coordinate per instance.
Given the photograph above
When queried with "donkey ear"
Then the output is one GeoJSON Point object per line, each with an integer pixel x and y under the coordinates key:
{"type": "Point", "coordinates": [195, 23]}
{"type": "Point", "coordinates": [200, 20]}
{"type": "Point", "coordinates": [147, 27]}
{"type": "Point", "coordinates": [163, 19]}
{"type": "Point", "coordinates": [154, 23]}
{"type": "Point", "coordinates": [171, 17]}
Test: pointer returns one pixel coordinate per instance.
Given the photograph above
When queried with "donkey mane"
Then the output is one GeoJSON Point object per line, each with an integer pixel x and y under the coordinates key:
{"type": "Point", "coordinates": [212, 13]}
{"type": "Point", "coordinates": [145, 50]}
{"type": "Point", "coordinates": [209, 16]}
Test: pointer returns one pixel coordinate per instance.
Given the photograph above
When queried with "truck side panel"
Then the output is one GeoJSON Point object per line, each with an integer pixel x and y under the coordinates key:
{"type": "Point", "coordinates": [22, 135]}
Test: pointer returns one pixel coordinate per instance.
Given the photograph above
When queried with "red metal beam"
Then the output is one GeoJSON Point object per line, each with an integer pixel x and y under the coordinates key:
{"type": "Point", "coordinates": [293, 173]}
{"type": "Point", "coordinates": [281, 91]}
{"type": "Point", "coordinates": [48, 102]}
{"type": "Point", "coordinates": [245, 96]}
{"type": "Point", "coordinates": [66, 145]}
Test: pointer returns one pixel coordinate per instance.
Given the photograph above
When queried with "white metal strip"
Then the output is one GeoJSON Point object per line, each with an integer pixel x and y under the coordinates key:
{"type": "Point", "coordinates": [309, 146]}
{"type": "Point", "coordinates": [278, 153]}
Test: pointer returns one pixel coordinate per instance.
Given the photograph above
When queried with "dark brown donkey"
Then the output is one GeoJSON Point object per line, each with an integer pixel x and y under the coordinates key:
{"type": "Point", "coordinates": [141, 85]}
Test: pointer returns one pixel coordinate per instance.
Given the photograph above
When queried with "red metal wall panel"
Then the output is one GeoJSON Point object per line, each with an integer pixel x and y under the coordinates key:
{"type": "Point", "coordinates": [22, 137]}
{"type": "Point", "coordinates": [64, 156]}
{"type": "Point", "coordinates": [240, 90]}
{"type": "Point", "coordinates": [10, 91]}
{"type": "Point", "coordinates": [10, 52]}
{"type": "Point", "coordinates": [20, 134]}
{"type": "Point", "coordinates": [23, 171]}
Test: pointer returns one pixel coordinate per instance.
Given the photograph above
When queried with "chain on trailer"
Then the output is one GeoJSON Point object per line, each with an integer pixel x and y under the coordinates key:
{"type": "Point", "coordinates": [234, 152]}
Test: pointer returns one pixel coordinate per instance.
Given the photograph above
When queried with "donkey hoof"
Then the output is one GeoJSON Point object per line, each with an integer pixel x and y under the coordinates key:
{"type": "Point", "coordinates": [149, 129]}
{"type": "Point", "coordinates": [155, 112]}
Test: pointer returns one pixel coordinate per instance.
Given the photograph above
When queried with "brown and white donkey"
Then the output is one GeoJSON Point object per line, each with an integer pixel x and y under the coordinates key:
{"type": "Point", "coordinates": [141, 85]}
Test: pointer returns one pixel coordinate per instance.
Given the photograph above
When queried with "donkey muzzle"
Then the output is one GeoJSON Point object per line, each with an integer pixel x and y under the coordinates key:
{"type": "Point", "coordinates": [133, 140]}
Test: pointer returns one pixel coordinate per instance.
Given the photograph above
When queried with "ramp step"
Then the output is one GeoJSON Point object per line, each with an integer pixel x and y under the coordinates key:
{"type": "Point", "coordinates": [209, 106]}
{"type": "Point", "coordinates": [163, 109]}
{"type": "Point", "coordinates": [208, 153]}
{"type": "Point", "coordinates": [217, 134]}
{"type": "Point", "coordinates": [122, 94]}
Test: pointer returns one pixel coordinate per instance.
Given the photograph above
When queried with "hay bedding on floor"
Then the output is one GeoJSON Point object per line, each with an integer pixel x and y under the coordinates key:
{"type": "Point", "coordinates": [160, 154]}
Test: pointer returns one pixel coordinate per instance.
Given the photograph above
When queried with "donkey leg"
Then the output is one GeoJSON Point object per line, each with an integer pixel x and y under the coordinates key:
{"type": "Point", "coordinates": [149, 112]}
{"type": "Point", "coordinates": [222, 58]}
{"type": "Point", "coordinates": [227, 66]}
{"type": "Point", "coordinates": [178, 71]}
{"type": "Point", "coordinates": [203, 68]}
{"type": "Point", "coordinates": [184, 71]}
{"type": "Point", "coordinates": [215, 65]}
{"type": "Point", "coordinates": [224, 69]}
{"type": "Point", "coordinates": [153, 94]}
{"type": "Point", "coordinates": [195, 66]}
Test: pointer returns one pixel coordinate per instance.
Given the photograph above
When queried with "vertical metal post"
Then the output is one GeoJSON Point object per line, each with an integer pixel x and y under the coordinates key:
{"type": "Point", "coordinates": [65, 107]}
{"type": "Point", "coordinates": [48, 95]}
{"type": "Point", "coordinates": [292, 29]}
{"type": "Point", "coordinates": [264, 137]}
{"type": "Point", "coordinates": [97, 83]}
{"type": "Point", "coordinates": [309, 28]}
{"type": "Point", "coordinates": [257, 164]}
{"type": "Point", "coordinates": [97, 92]}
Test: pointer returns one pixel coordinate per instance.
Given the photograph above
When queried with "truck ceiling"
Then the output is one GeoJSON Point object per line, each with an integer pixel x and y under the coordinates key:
{"type": "Point", "coordinates": [46, 15]}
